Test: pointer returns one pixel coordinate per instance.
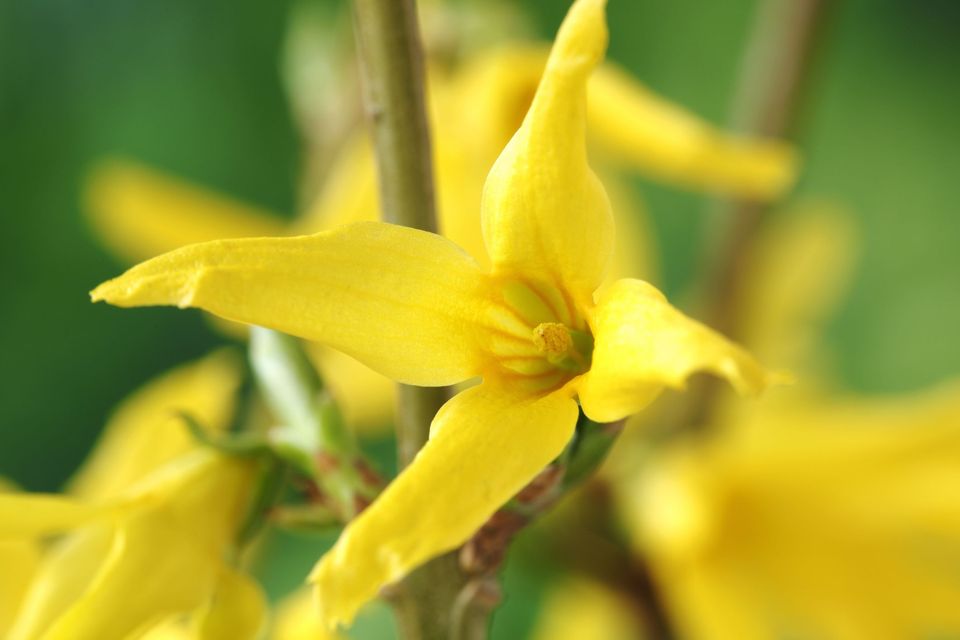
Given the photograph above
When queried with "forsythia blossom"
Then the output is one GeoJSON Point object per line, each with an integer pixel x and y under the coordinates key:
{"type": "Point", "coordinates": [808, 513]}
{"type": "Point", "coordinates": [833, 521]}
{"type": "Point", "coordinates": [155, 551]}
{"type": "Point", "coordinates": [144, 469]}
{"type": "Point", "coordinates": [475, 108]}
{"type": "Point", "coordinates": [538, 327]}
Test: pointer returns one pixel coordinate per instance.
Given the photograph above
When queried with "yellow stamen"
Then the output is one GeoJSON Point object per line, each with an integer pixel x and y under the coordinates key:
{"type": "Point", "coordinates": [553, 340]}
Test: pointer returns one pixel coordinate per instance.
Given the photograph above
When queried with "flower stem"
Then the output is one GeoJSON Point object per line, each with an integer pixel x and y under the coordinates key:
{"type": "Point", "coordinates": [777, 67]}
{"type": "Point", "coordinates": [392, 74]}
{"type": "Point", "coordinates": [392, 69]}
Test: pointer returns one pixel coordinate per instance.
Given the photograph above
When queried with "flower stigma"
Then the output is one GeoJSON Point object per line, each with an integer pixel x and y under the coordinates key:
{"type": "Point", "coordinates": [563, 346]}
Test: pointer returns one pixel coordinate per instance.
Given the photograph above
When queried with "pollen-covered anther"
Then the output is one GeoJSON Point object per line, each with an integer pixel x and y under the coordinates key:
{"type": "Point", "coordinates": [552, 339]}
{"type": "Point", "coordinates": [563, 347]}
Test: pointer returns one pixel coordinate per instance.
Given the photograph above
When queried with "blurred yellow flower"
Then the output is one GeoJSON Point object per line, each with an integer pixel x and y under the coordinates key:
{"type": "Point", "coordinates": [829, 522]}
{"type": "Point", "coordinates": [475, 109]}
{"type": "Point", "coordinates": [145, 431]}
{"type": "Point", "coordinates": [143, 435]}
{"type": "Point", "coordinates": [807, 513]}
{"type": "Point", "coordinates": [414, 307]}
{"type": "Point", "coordinates": [156, 550]}
{"type": "Point", "coordinates": [585, 610]}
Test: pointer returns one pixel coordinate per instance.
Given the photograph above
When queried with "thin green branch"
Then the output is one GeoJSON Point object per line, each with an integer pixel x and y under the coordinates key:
{"type": "Point", "coordinates": [392, 74]}
{"type": "Point", "coordinates": [777, 68]}
{"type": "Point", "coordinates": [392, 69]}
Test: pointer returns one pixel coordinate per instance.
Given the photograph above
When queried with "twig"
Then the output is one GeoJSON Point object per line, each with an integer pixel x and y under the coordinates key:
{"type": "Point", "coordinates": [777, 67]}
{"type": "Point", "coordinates": [392, 72]}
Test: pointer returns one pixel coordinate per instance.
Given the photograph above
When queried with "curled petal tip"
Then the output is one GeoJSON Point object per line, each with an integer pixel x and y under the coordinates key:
{"type": "Point", "coordinates": [103, 292]}
{"type": "Point", "coordinates": [582, 40]}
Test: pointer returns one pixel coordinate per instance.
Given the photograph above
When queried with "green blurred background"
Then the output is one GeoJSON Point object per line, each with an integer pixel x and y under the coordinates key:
{"type": "Point", "coordinates": [195, 88]}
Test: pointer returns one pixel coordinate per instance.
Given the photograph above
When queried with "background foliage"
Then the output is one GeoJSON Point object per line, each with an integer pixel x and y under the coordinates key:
{"type": "Point", "coordinates": [195, 88]}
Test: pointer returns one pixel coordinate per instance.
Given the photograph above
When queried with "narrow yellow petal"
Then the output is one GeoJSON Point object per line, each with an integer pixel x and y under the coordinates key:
{"type": "Point", "coordinates": [404, 302]}
{"type": "Point", "coordinates": [544, 213]}
{"type": "Point", "coordinates": [486, 445]}
{"type": "Point", "coordinates": [642, 344]}
{"type": "Point", "coordinates": [635, 254]}
{"type": "Point", "coordinates": [632, 123]}
{"type": "Point", "coordinates": [171, 629]}
{"type": "Point", "coordinates": [20, 560]}
{"type": "Point", "coordinates": [237, 610]}
{"type": "Point", "coordinates": [65, 573]}
{"type": "Point", "coordinates": [298, 618]}
{"type": "Point", "coordinates": [145, 432]}
{"type": "Point", "coordinates": [798, 270]}
{"type": "Point", "coordinates": [491, 93]}
{"type": "Point", "coordinates": [349, 193]}
{"type": "Point", "coordinates": [140, 212]}
{"type": "Point", "coordinates": [24, 515]}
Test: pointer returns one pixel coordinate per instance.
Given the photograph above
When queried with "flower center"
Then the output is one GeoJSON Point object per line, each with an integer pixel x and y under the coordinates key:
{"type": "Point", "coordinates": [538, 336]}
{"type": "Point", "coordinates": [563, 347]}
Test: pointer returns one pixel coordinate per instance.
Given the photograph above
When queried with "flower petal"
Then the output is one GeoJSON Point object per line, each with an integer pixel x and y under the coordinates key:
{"type": "Point", "coordinates": [486, 445]}
{"type": "Point", "coordinates": [194, 509]}
{"type": "Point", "coordinates": [799, 268]}
{"type": "Point", "coordinates": [26, 515]}
{"type": "Point", "coordinates": [544, 213]}
{"type": "Point", "coordinates": [404, 302]}
{"type": "Point", "coordinates": [349, 192]}
{"type": "Point", "coordinates": [140, 212]}
{"type": "Point", "coordinates": [365, 397]}
{"type": "Point", "coordinates": [629, 123]}
{"type": "Point", "coordinates": [145, 433]}
{"type": "Point", "coordinates": [642, 344]}
{"type": "Point", "coordinates": [20, 560]}
{"type": "Point", "coordinates": [636, 125]}
{"type": "Point", "coordinates": [54, 588]}
{"type": "Point", "coordinates": [237, 610]}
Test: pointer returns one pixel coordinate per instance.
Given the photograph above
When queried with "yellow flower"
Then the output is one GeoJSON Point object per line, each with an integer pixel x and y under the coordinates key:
{"type": "Point", "coordinates": [145, 431]}
{"type": "Point", "coordinates": [143, 435]}
{"type": "Point", "coordinates": [141, 213]}
{"type": "Point", "coordinates": [414, 307]}
{"type": "Point", "coordinates": [585, 610]}
{"type": "Point", "coordinates": [829, 522]}
{"type": "Point", "coordinates": [807, 513]}
{"type": "Point", "coordinates": [154, 551]}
